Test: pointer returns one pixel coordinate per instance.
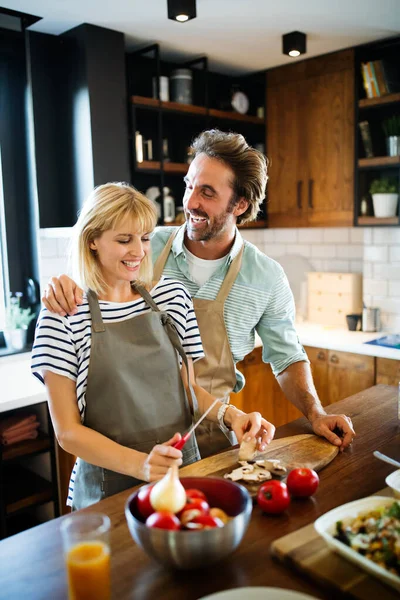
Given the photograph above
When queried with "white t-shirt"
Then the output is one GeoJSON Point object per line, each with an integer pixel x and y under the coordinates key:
{"type": "Point", "coordinates": [62, 344]}
{"type": "Point", "coordinates": [201, 270]}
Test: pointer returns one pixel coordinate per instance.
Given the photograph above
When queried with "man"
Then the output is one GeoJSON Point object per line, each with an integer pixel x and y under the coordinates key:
{"type": "Point", "coordinates": [236, 289]}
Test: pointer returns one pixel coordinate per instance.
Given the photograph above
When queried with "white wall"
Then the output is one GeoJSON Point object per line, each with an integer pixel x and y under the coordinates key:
{"type": "Point", "coordinates": [375, 252]}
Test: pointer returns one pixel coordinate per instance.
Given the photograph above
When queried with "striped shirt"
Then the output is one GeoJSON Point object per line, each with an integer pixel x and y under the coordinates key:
{"type": "Point", "coordinates": [260, 301]}
{"type": "Point", "coordinates": [62, 344]}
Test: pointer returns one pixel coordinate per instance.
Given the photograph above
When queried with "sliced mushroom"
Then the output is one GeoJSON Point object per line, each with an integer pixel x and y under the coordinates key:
{"type": "Point", "coordinates": [248, 450]}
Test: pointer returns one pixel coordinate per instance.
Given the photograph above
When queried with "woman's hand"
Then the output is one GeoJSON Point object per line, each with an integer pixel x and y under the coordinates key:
{"type": "Point", "coordinates": [251, 425]}
{"type": "Point", "coordinates": [160, 459]}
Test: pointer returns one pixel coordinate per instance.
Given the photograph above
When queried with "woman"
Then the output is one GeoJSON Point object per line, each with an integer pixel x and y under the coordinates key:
{"type": "Point", "coordinates": [114, 373]}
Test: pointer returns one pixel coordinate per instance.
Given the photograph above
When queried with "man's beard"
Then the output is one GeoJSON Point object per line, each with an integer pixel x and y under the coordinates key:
{"type": "Point", "coordinates": [211, 230]}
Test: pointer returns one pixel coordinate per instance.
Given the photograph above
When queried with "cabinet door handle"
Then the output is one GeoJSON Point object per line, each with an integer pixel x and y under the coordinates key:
{"type": "Point", "coordinates": [334, 359]}
{"type": "Point", "coordinates": [321, 355]}
{"type": "Point", "coordinates": [299, 194]}
{"type": "Point", "coordinates": [310, 193]}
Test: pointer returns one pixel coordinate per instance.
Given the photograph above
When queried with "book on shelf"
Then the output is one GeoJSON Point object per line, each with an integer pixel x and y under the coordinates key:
{"type": "Point", "coordinates": [380, 77]}
{"type": "Point", "coordinates": [366, 138]}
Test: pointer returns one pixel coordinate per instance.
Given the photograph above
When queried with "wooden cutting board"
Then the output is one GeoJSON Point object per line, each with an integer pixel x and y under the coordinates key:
{"type": "Point", "coordinates": [307, 552]}
{"type": "Point", "coordinates": [305, 450]}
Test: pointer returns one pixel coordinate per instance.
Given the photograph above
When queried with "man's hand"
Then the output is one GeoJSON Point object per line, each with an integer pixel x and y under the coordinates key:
{"type": "Point", "coordinates": [62, 295]}
{"type": "Point", "coordinates": [328, 426]}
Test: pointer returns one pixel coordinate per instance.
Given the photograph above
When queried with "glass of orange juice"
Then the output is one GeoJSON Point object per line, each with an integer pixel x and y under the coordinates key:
{"type": "Point", "coordinates": [87, 556]}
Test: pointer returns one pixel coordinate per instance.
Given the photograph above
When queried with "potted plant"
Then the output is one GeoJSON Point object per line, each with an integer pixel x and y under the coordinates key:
{"type": "Point", "coordinates": [17, 322]}
{"type": "Point", "coordinates": [385, 196]}
{"type": "Point", "coordinates": [391, 127]}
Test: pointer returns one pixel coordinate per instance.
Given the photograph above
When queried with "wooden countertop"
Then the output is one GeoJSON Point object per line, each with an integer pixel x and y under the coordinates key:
{"type": "Point", "coordinates": [31, 563]}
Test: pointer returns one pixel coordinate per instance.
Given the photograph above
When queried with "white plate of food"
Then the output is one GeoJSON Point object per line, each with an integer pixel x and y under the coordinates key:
{"type": "Point", "coordinates": [364, 532]}
{"type": "Point", "coordinates": [258, 593]}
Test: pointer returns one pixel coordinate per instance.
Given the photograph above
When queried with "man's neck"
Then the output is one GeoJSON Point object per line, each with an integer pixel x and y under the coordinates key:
{"type": "Point", "coordinates": [211, 249]}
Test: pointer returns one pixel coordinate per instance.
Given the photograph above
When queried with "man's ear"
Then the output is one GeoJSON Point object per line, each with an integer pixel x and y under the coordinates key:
{"type": "Point", "coordinates": [241, 207]}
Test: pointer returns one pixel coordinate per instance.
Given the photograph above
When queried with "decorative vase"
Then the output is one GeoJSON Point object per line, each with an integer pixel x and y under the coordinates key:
{"type": "Point", "coordinates": [385, 205]}
{"type": "Point", "coordinates": [15, 338]}
{"type": "Point", "coordinates": [393, 145]}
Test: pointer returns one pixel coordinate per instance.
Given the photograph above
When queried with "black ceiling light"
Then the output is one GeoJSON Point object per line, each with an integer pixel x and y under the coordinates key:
{"type": "Point", "coordinates": [294, 43]}
{"type": "Point", "coordinates": [181, 10]}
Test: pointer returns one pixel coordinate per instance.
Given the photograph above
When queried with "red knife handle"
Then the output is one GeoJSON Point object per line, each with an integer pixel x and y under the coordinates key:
{"type": "Point", "coordinates": [179, 445]}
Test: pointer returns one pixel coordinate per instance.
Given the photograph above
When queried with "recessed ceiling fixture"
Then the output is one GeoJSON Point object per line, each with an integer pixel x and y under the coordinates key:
{"type": "Point", "coordinates": [294, 43]}
{"type": "Point", "coordinates": [181, 10]}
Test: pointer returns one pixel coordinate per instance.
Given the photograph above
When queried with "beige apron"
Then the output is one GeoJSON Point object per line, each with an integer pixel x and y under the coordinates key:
{"type": "Point", "coordinates": [135, 395]}
{"type": "Point", "coordinates": [216, 372]}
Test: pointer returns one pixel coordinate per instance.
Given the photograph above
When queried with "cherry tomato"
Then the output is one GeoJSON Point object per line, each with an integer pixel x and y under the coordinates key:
{"type": "Point", "coordinates": [273, 497]}
{"type": "Point", "coordinates": [204, 522]}
{"type": "Point", "coordinates": [163, 520]}
{"type": "Point", "coordinates": [199, 503]}
{"type": "Point", "coordinates": [302, 482]}
{"type": "Point", "coordinates": [193, 493]}
{"type": "Point", "coordinates": [143, 501]}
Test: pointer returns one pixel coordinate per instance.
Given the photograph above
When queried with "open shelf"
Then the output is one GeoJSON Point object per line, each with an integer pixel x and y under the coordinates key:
{"type": "Point", "coordinates": [234, 116]}
{"type": "Point", "coordinates": [23, 488]}
{"type": "Point", "coordinates": [144, 102]}
{"type": "Point", "coordinates": [148, 165]}
{"type": "Point", "coordinates": [176, 168]}
{"type": "Point", "coordinates": [379, 161]}
{"type": "Point", "coordinates": [40, 444]}
{"type": "Point", "coordinates": [378, 221]}
{"type": "Point", "coordinates": [387, 99]}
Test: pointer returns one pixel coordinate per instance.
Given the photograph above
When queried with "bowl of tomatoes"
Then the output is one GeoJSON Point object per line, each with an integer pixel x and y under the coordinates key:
{"type": "Point", "coordinates": [206, 530]}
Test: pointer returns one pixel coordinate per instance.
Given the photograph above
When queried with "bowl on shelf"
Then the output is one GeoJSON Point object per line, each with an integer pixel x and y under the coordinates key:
{"type": "Point", "coordinates": [193, 549]}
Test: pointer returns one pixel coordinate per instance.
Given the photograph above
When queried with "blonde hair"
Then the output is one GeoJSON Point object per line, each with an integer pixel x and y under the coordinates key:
{"type": "Point", "coordinates": [105, 207]}
{"type": "Point", "coordinates": [249, 167]}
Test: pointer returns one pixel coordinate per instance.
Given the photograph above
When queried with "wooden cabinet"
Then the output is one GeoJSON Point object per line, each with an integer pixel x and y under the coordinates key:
{"type": "Point", "coordinates": [262, 392]}
{"type": "Point", "coordinates": [337, 375]}
{"type": "Point", "coordinates": [349, 374]}
{"type": "Point", "coordinates": [387, 371]}
{"type": "Point", "coordinates": [310, 142]}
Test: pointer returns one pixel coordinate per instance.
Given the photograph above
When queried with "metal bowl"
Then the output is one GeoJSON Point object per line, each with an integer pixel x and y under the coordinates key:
{"type": "Point", "coordinates": [194, 549]}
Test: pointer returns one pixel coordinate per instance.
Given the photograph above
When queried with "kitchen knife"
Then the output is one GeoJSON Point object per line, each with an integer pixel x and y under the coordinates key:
{"type": "Point", "coordinates": [179, 445]}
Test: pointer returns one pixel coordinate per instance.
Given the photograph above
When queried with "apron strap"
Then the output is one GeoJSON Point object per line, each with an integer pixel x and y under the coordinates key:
{"type": "Point", "coordinates": [97, 320]}
{"type": "Point", "coordinates": [163, 257]}
{"type": "Point", "coordinates": [230, 277]}
{"type": "Point", "coordinates": [172, 333]}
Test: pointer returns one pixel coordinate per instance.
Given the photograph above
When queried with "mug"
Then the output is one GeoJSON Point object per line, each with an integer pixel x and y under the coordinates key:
{"type": "Point", "coordinates": [353, 321]}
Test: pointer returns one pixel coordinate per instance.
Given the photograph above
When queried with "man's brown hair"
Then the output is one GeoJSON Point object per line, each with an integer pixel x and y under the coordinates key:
{"type": "Point", "coordinates": [248, 165]}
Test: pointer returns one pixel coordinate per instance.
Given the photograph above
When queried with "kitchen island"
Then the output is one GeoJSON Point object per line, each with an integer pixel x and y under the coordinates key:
{"type": "Point", "coordinates": [31, 563]}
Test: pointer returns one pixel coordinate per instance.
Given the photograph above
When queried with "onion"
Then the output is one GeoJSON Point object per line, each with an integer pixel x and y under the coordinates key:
{"type": "Point", "coordinates": [168, 493]}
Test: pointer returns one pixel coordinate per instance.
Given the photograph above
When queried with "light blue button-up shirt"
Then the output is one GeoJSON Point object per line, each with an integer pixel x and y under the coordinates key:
{"type": "Point", "coordinates": [260, 300]}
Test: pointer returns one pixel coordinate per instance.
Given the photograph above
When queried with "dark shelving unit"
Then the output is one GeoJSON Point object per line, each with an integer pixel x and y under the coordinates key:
{"type": "Point", "coordinates": [180, 123]}
{"type": "Point", "coordinates": [375, 111]}
{"type": "Point", "coordinates": [22, 489]}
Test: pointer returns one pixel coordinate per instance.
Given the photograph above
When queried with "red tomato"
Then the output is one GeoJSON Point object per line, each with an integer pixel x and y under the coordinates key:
{"type": "Point", "coordinates": [193, 493]}
{"type": "Point", "coordinates": [143, 501]}
{"type": "Point", "coordinates": [302, 482]}
{"type": "Point", "coordinates": [273, 497]}
{"type": "Point", "coordinates": [204, 522]}
{"type": "Point", "coordinates": [199, 503]}
{"type": "Point", "coordinates": [163, 520]}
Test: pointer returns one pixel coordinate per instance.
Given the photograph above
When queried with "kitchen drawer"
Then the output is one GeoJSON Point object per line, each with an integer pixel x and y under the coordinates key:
{"type": "Point", "coordinates": [331, 309]}
{"type": "Point", "coordinates": [387, 371]}
{"type": "Point", "coordinates": [344, 283]}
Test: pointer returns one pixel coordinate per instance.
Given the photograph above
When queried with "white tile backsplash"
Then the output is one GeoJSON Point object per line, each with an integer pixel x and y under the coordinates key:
{"type": "Point", "coordinates": [375, 252]}
{"type": "Point", "coordinates": [394, 254]}
{"type": "Point", "coordinates": [336, 235]}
